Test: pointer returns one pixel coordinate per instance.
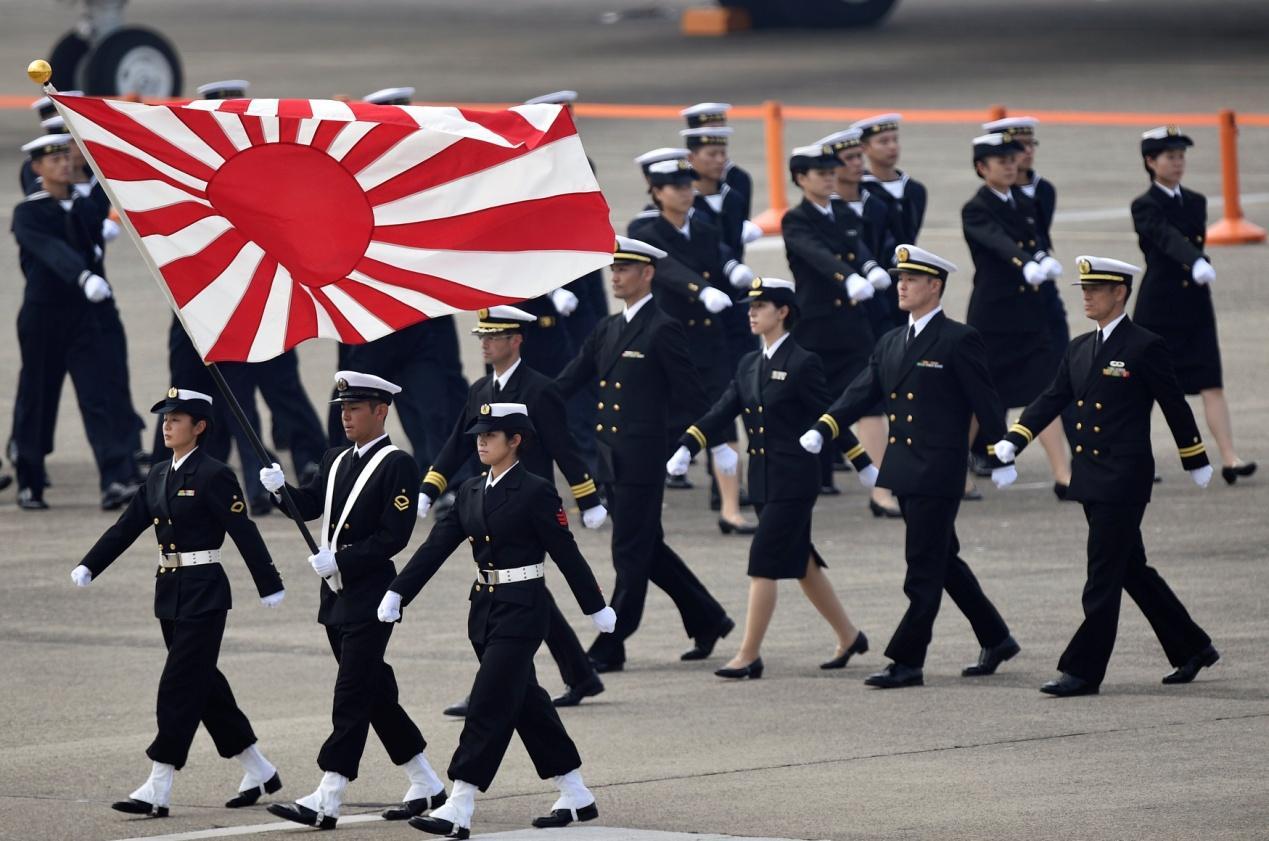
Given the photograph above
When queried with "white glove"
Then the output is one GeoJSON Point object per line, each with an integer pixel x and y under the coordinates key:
{"type": "Point", "coordinates": [81, 574]}
{"type": "Point", "coordinates": [605, 621]}
{"type": "Point", "coordinates": [272, 478]}
{"type": "Point", "coordinates": [565, 302]}
{"type": "Point", "coordinates": [323, 563]}
{"type": "Point", "coordinates": [715, 300]}
{"type": "Point", "coordinates": [725, 459]}
{"type": "Point", "coordinates": [594, 517]}
{"type": "Point", "coordinates": [858, 289]}
{"type": "Point", "coordinates": [1051, 267]}
{"type": "Point", "coordinates": [879, 278]}
{"type": "Point", "coordinates": [812, 441]}
{"type": "Point", "coordinates": [425, 505]}
{"type": "Point", "coordinates": [1034, 273]}
{"type": "Point", "coordinates": [678, 463]}
{"type": "Point", "coordinates": [1005, 451]}
{"type": "Point", "coordinates": [273, 599]}
{"type": "Point", "coordinates": [389, 607]}
{"type": "Point", "coordinates": [868, 476]}
{"type": "Point", "coordinates": [110, 230]}
{"type": "Point", "coordinates": [95, 287]}
{"type": "Point", "coordinates": [1004, 476]}
{"type": "Point", "coordinates": [749, 232]}
{"type": "Point", "coordinates": [740, 276]}
{"type": "Point", "coordinates": [1203, 272]}
{"type": "Point", "coordinates": [1202, 475]}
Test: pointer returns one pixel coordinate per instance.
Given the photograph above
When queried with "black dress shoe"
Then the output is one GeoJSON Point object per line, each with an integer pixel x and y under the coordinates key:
{"type": "Point", "coordinates": [28, 501]}
{"type": "Point", "coordinates": [249, 796]}
{"type": "Point", "coordinates": [879, 510]}
{"type": "Point", "coordinates": [980, 465]}
{"type": "Point", "coordinates": [989, 659]}
{"type": "Point", "coordinates": [132, 806]}
{"type": "Point", "coordinates": [117, 494]}
{"type": "Point", "coordinates": [705, 644]}
{"type": "Point", "coordinates": [678, 483]}
{"type": "Point", "coordinates": [564, 817]}
{"type": "Point", "coordinates": [603, 667]}
{"type": "Point", "coordinates": [1059, 490]}
{"type": "Point", "coordinates": [414, 808]}
{"type": "Point", "coordinates": [573, 695]}
{"type": "Point", "coordinates": [727, 527]}
{"type": "Point", "coordinates": [859, 646]}
{"type": "Point", "coordinates": [1187, 672]}
{"type": "Point", "coordinates": [439, 826]}
{"type": "Point", "coordinates": [1068, 686]}
{"type": "Point", "coordinates": [458, 710]}
{"type": "Point", "coordinates": [972, 494]}
{"type": "Point", "coordinates": [896, 676]}
{"type": "Point", "coordinates": [301, 814]}
{"type": "Point", "coordinates": [6, 480]}
{"type": "Point", "coordinates": [1229, 474]}
{"type": "Point", "coordinates": [753, 671]}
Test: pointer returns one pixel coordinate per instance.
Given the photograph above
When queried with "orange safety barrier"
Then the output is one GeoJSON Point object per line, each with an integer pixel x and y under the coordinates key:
{"type": "Point", "coordinates": [773, 130]}
{"type": "Point", "coordinates": [1233, 229]}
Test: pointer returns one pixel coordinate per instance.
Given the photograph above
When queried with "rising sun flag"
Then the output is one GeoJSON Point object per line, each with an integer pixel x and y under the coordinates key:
{"type": "Point", "coordinates": [272, 221]}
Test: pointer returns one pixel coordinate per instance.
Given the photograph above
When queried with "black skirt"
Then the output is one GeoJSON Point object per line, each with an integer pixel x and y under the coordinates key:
{"type": "Point", "coordinates": [782, 544]}
{"type": "Point", "coordinates": [1196, 354]}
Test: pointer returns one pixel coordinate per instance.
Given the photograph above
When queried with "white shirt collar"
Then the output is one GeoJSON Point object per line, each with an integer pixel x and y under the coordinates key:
{"type": "Point", "coordinates": [1171, 192]}
{"type": "Point", "coordinates": [1005, 197]}
{"type": "Point", "coordinates": [502, 379]}
{"type": "Point", "coordinates": [827, 209]}
{"type": "Point", "coordinates": [924, 320]}
{"type": "Point", "coordinates": [1110, 328]}
{"type": "Point", "coordinates": [491, 480]}
{"type": "Point", "coordinates": [633, 309]}
{"type": "Point", "coordinates": [177, 462]}
{"type": "Point", "coordinates": [769, 350]}
{"type": "Point", "coordinates": [361, 451]}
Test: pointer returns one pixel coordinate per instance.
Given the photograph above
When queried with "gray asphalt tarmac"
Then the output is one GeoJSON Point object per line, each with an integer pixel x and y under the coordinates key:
{"type": "Point", "coordinates": [668, 748]}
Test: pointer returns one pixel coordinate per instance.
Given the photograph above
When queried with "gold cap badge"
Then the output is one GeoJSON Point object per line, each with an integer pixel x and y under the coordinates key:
{"type": "Point", "coordinates": [173, 392]}
{"type": "Point", "coordinates": [902, 254]}
{"type": "Point", "coordinates": [341, 384]}
{"type": "Point", "coordinates": [1085, 266]}
{"type": "Point", "coordinates": [757, 283]}
{"type": "Point", "coordinates": [484, 409]}
{"type": "Point", "coordinates": [1173, 131]}
{"type": "Point", "coordinates": [483, 315]}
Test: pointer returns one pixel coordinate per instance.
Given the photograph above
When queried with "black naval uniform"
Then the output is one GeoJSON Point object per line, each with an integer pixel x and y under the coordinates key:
{"type": "Point", "coordinates": [592, 307]}
{"type": "Point", "coordinates": [742, 182]}
{"type": "Point", "coordinates": [931, 388]}
{"type": "Point", "coordinates": [60, 331]}
{"type": "Point", "coordinates": [552, 443]}
{"type": "Point", "coordinates": [547, 346]}
{"type": "Point", "coordinates": [378, 527]}
{"type": "Point", "coordinates": [191, 509]}
{"type": "Point", "coordinates": [643, 367]}
{"type": "Point", "coordinates": [878, 236]}
{"type": "Point", "coordinates": [728, 210]}
{"type": "Point", "coordinates": [1112, 475]}
{"type": "Point", "coordinates": [1171, 234]}
{"type": "Point", "coordinates": [1011, 314]}
{"type": "Point", "coordinates": [778, 399]}
{"type": "Point", "coordinates": [822, 253]}
{"type": "Point", "coordinates": [512, 524]}
{"type": "Point", "coordinates": [906, 215]}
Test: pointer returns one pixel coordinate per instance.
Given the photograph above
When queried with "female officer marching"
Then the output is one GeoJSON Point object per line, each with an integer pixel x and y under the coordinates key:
{"type": "Point", "coordinates": [511, 518]}
{"type": "Point", "coordinates": [192, 501]}
{"type": "Point", "coordinates": [778, 391]}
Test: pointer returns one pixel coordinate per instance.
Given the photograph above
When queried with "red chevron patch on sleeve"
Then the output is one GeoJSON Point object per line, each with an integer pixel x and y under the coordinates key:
{"type": "Point", "coordinates": [561, 517]}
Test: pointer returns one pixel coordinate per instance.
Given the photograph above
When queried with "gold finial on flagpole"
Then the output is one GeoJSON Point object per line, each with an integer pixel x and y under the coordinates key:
{"type": "Point", "coordinates": [39, 71]}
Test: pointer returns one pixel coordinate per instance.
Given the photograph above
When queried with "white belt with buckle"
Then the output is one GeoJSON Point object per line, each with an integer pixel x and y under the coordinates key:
{"type": "Point", "coordinates": [511, 576]}
{"type": "Point", "coordinates": [172, 560]}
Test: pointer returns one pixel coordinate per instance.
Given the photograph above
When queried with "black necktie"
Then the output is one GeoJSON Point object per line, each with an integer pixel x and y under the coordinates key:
{"type": "Point", "coordinates": [911, 335]}
{"type": "Point", "coordinates": [497, 387]}
{"type": "Point", "coordinates": [1097, 350]}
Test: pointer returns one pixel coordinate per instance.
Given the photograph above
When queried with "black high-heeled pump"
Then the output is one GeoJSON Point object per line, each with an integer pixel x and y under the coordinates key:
{"type": "Point", "coordinates": [727, 527]}
{"type": "Point", "coordinates": [859, 646]}
{"type": "Point", "coordinates": [753, 671]}
{"type": "Point", "coordinates": [1231, 474]}
{"type": "Point", "coordinates": [879, 510]}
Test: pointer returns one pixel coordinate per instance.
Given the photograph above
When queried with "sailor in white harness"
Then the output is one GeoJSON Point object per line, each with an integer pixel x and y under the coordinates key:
{"type": "Point", "coordinates": [512, 518]}
{"type": "Point", "coordinates": [365, 497]}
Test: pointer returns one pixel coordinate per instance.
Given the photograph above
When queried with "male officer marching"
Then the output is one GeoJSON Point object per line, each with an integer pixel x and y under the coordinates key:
{"type": "Point", "coordinates": [1114, 376]}
{"type": "Point", "coordinates": [501, 331]}
{"type": "Point", "coordinates": [932, 376]}
{"type": "Point", "coordinates": [365, 496]}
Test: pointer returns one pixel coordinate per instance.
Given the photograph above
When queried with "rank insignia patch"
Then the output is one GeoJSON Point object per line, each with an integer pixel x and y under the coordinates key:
{"type": "Point", "coordinates": [401, 502]}
{"type": "Point", "coordinates": [237, 507]}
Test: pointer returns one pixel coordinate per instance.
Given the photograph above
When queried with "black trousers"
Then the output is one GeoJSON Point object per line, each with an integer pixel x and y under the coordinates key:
{"type": "Point", "coordinates": [640, 555]}
{"type": "Point", "coordinates": [296, 426]}
{"type": "Point", "coordinates": [932, 553]}
{"type": "Point", "coordinates": [1117, 564]}
{"type": "Point", "coordinates": [506, 698]}
{"type": "Point", "coordinates": [566, 649]}
{"type": "Point", "coordinates": [192, 689]}
{"type": "Point", "coordinates": [365, 697]}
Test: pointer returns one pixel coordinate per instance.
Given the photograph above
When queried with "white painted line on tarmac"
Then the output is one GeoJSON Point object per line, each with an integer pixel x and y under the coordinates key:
{"type": "Point", "coordinates": [250, 829]}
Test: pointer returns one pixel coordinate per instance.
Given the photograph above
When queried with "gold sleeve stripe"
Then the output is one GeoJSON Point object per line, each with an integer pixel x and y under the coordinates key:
{"type": "Point", "coordinates": [582, 489]}
{"type": "Point", "coordinates": [1023, 431]}
{"type": "Point", "coordinates": [698, 435]}
{"type": "Point", "coordinates": [436, 479]}
{"type": "Point", "coordinates": [855, 452]}
{"type": "Point", "coordinates": [828, 421]}
{"type": "Point", "coordinates": [1186, 452]}
{"type": "Point", "coordinates": [991, 449]}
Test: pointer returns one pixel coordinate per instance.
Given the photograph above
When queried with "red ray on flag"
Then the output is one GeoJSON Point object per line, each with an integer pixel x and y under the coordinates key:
{"type": "Point", "coordinates": [269, 222]}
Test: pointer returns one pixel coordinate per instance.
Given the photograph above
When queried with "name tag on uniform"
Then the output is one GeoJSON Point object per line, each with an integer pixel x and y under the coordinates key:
{"type": "Point", "coordinates": [779, 375]}
{"type": "Point", "coordinates": [929, 363]}
{"type": "Point", "coordinates": [185, 492]}
{"type": "Point", "coordinates": [631, 354]}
